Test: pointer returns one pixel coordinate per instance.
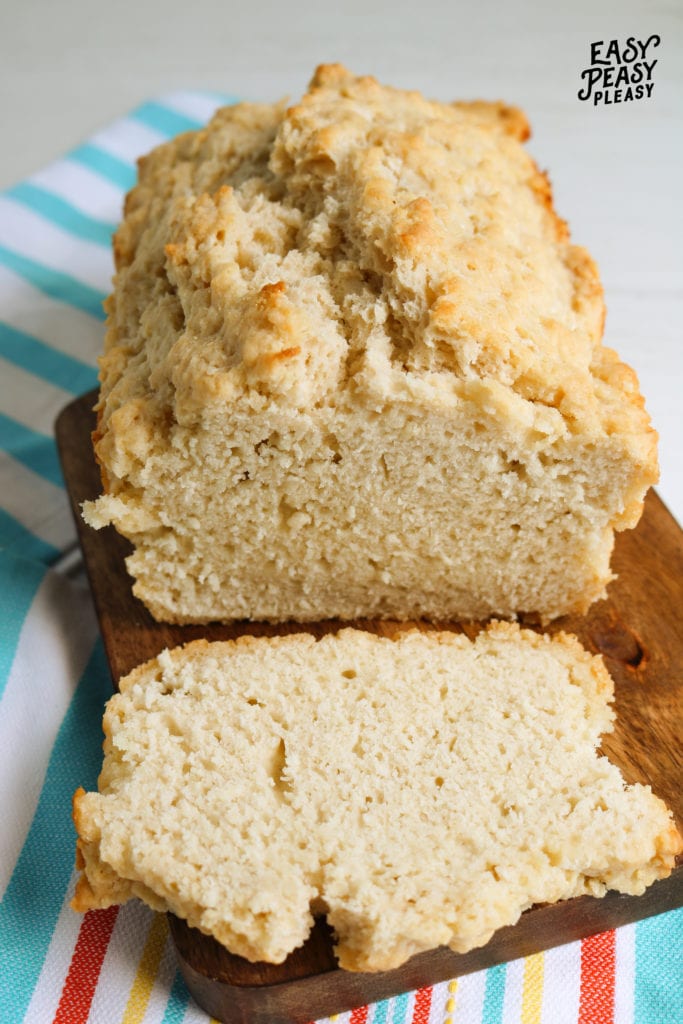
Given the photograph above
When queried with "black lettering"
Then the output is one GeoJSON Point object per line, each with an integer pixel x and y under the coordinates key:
{"type": "Point", "coordinates": [595, 49]}
{"type": "Point", "coordinates": [593, 75]}
{"type": "Point", "coordinates": [654, 40]}
{"type": "Point", "coordinates": [630, 51]}
{"type": "Point", "coordinates": [618, 72]}
{"type": "Point", "coordinates": [613, 51]}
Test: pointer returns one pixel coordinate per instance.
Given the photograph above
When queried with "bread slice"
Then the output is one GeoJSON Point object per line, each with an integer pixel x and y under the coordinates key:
{"type": "Point", "coordinates": [421, 790]}
{"type": "Point", "coordinates": [354, 368]}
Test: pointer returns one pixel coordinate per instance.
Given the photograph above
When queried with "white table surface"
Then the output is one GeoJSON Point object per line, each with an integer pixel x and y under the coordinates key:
{"type": "Point", "coordinates": [67, 68]}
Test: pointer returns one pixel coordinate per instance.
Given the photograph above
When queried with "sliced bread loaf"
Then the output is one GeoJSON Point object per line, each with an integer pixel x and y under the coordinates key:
{"type": "Point", "coordinates": [354, 368]}
{"type": "Point", "coordinates": [421, 791]}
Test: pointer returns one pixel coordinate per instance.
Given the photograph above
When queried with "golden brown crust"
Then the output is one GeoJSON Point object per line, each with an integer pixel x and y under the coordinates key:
{"type": "Point", "coordinates": [669, 845]}
{"type": "Point", "coordinates": [540, 184]}
{"type": "Point", "coordinates": [312, 273]}
{"type": "Point", "coordinates": [510, 120]}
{"type": "Point", "coordinates": [83, 898]}
{"type": "Point", "coordinates": [76, 810]}
{"type": "Point", "coordinates": [322, 141]}
{"type": "Point", "coordinates": [310, 141]}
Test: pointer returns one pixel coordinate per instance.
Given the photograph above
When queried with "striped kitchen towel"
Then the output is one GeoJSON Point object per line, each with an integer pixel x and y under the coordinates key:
{"type": "Point", "coordinates": [117, 965]}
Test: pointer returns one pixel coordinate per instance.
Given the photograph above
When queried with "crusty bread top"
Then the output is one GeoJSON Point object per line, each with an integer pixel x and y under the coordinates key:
{"type": "Point", "coordinates": [365, 242]}
{"type": "Point", "coordinates": [421, 790]}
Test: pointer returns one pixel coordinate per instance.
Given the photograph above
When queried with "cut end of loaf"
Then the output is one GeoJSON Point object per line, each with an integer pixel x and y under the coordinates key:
{"type": "Point", "coordinates": [423, 790]}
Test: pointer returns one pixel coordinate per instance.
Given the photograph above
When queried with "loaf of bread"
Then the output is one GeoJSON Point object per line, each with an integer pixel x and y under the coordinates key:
{"type": "Point", "coordinates": [354, 369]}
{"type": "Point", "coordinates": [420, 790]}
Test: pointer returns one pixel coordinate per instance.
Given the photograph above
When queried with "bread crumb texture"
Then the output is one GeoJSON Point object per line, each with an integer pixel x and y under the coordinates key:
{"type": "Point", "coordinates": [420, 791]}
{"type": "Point", "coordinates": [354, 367]}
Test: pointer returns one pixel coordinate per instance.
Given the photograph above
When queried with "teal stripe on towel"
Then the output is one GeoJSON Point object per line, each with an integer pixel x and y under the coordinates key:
{"type": "Point", "coordinates": [45, 362]}
{"type": "Point", "coordinates": [659, 970]}
{"type": "Point", "coordinates": [63, 214]}
{"type": "Point", "coordinates": [19, 581]}
{"type": "Point", "coordinates": [494, 995]}
{"type": "Point", "coordinates": [36, 891]}
{"type": "Point", "coordinates": [381, 1012]}
{"type": "Point", "coordinates": [17, 539]}
{"type": "Point", "coordinates": [96, 159]}
{"type": "Point", "coordinates": [223, 99]}
{"type": "Point", "coordinates": [164, 120]}
{"type": "Point", "coordinates": [55, 283]}
{"type": "Point", "coordinates": [34, 450]}
{"type": "Point", "coordinates": [178, 1001]}
{"type": "Point", "coordinates": [400, 1008]}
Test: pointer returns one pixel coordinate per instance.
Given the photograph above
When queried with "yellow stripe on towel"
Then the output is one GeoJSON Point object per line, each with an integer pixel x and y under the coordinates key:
{"type": "Point", "coordinates": [148, 968]}
{"type": "Point", "coordinates": [532, 989]}
{"type": "Point", "coordinates": [450, 1002]}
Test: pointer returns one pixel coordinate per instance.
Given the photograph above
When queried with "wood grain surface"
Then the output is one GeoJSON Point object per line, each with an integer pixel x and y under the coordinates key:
{"type": "Point", "coordinates": [637, 630]}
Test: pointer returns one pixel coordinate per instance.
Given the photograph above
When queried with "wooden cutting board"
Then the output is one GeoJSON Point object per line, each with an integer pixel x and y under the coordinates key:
{"type": "Point", "coordinates": [638, 630]}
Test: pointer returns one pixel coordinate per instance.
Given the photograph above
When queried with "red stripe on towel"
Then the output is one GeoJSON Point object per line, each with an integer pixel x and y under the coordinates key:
{"type": "Point", "coordinates": [359, 1015]}
{"type": "Point", "coordinates": [422, 1006]}
{"type": "Point", "coordinates": [598, 963]}
{"type": "Point", "coordinates": [86, 964]}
